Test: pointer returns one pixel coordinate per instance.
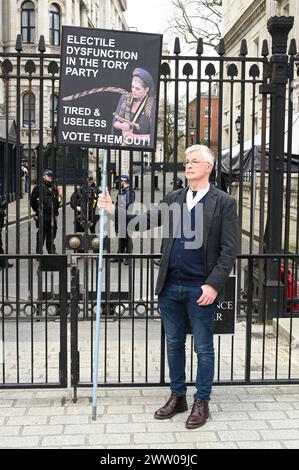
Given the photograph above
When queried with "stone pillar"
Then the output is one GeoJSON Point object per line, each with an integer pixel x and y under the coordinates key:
{"type": "Point", "coordinates": [84, 14]}
{"type": "Point", "coordinates": [42, 21]}
{"type": "Point", "coordinates": [68, 13]}
{"type": "Point", "coordinates": [107, 18]}
{"type": "Point", "coordinates": [12, 27]}
{"type": "Point", "coordinates": [272, 8]}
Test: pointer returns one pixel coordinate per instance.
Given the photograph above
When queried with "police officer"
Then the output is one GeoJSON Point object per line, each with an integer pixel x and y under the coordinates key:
{"type": "Point", "coordinates": [3, 263]}
{"type": "Point", "coordinates": [179, 183]}
{"type": "Point", "coordinates": [84, 203]}
{"type": "Point", "coordinates": [127, 197]}
{"type": "Point", "coordinates": [50, 205]}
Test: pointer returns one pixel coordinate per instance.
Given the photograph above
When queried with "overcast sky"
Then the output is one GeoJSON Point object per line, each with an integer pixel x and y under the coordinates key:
{"type": "Point", "coordinates": [149, 16]}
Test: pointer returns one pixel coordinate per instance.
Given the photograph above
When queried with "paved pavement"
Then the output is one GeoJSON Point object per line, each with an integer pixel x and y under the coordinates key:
{"type": "Point", "coordinates": [241, 418]}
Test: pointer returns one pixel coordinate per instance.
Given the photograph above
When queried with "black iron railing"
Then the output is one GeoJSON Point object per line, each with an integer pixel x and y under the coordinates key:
{"type": "Point", "coordinates": [242, 107]}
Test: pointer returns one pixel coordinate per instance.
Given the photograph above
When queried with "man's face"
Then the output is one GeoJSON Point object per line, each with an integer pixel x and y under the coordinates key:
{"type": "Point", "coordinates": [196, 166]}
{"type": "Point", "coordinates": [90, 181]}
{"type": "Point", "coordinates": [47, 179]}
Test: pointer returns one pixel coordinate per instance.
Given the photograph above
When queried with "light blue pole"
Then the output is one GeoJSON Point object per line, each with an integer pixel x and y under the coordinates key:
{"type": "Point", "coordinates": [99, 296]}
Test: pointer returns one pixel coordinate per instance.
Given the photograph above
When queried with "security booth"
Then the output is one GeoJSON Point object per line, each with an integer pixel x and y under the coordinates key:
{"type": "Point", "coordinates": [70, 164]}
{"type": "Point", "coordinates": [8, 158]}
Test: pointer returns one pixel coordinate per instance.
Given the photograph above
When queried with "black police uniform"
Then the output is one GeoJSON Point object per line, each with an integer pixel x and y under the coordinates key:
{"type": "Point", "coordinates": [124, 200]}
{"type": "Point", "coordinates": [50, 212]}
{"type": "Point", "coordinates": [2, 217]}
{"type": "Point", "coordinates": [3, 263]}
{"type": "Point", "coordinates": [85, 197]}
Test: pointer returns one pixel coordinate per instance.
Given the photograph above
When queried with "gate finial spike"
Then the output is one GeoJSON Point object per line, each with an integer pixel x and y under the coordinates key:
{"type": "Point", "coordinates": [243, 49]}
{"type": "Point", "coordinates": [221, 47]}
{"type": "Point", "coordinates": [199, 49]}
{"type": "Point", "coordinates": [19, 46]}
{"type": "Point", "coordinates": [265, 48]}
{"type": "Point", "coordinates": [177, 46]}
{"type": "Point", "coordinates": [293, 47]}
{"type": "Point", "coordinates": [42, 44]}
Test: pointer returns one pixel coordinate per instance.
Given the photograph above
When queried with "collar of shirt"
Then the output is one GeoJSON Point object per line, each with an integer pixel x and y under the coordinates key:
{"type": "Point", "coordinates": [192, 201]}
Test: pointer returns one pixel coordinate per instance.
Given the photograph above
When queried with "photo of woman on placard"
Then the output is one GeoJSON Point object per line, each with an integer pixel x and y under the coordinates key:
{"type": "Point", "coordinates": [134, 115]}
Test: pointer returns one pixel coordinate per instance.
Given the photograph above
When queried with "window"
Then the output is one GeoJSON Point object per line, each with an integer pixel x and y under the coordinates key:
{"type": "Point", "coordinates": [207, 111]}
{"type": "Point", "coordinates": [28, 110]}
{"type": "Point", "coordinates": [53, 110]}
{"type": "Point", "coordinates": [286, 10]}
{"type": "Point", "coordinates": [54, 25]}
{"type": "Point", "coordinates": [28, 22]}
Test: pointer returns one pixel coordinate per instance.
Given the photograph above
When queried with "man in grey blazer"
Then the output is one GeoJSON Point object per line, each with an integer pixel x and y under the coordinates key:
{"type": "Point", "coordinates": [198, 254]}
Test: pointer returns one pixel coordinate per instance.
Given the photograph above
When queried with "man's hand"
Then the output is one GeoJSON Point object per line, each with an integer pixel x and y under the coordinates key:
{"type": "Point", "coordinates": [105, 202]}
{"type": "Point", "coordinates": [78, 208]}
{"type": "Point", "coordinates": [208, 296]}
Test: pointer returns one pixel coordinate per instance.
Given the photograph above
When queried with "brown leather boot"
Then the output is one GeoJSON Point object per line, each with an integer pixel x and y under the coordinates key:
{"type": "Point", "coordinates": [199, 414]}
{"type": "Point", "coordinates": [175, 404]}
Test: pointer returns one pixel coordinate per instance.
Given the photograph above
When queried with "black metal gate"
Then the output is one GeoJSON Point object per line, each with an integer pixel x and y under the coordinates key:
{"type": "Point", "coordinates": [33, 327]}
{"type": "Point", "coordinates": [132, 346]}
{"type": "Point", "coordinates": [244, 109]}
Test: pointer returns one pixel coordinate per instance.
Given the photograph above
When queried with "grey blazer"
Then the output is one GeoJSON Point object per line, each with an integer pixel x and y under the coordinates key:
{"type": "Point", "coordinates": [220, 235]}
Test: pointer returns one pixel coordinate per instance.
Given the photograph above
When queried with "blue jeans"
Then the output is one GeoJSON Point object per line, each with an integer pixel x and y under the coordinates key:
{"type": "Point", "coordinates": [26, 184]}
{"type": "Point", "coordinates": [177, 303]}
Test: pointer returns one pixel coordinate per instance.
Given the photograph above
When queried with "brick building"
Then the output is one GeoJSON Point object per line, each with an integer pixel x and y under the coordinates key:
{"type": "Point", "coordinates": [208, 120]}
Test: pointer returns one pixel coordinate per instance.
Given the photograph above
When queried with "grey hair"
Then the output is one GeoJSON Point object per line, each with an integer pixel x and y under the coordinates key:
{"type": "Point", "coordinates": [206, 152]}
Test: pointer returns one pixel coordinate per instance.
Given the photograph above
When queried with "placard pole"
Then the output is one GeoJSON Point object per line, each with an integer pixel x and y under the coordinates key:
{"type": "Point", "coordinates": [99, 295]}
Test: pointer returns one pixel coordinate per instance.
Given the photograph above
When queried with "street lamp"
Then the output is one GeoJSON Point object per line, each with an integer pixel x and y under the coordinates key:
{"type": "Point", "coordinates": [238, 127]}
{"type": "Point", "coordinates": [192, 133]}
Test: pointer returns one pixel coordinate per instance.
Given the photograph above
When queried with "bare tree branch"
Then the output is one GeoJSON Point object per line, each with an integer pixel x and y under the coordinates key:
{"type": "Point", "coordinates": [194, 19]}
{"type": "Point", "coordinates": [167, 113]}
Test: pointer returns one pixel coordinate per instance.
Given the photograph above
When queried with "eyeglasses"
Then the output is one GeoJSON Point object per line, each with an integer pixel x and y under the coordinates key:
{"type": "Point", "coordinates": [194, 162]}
